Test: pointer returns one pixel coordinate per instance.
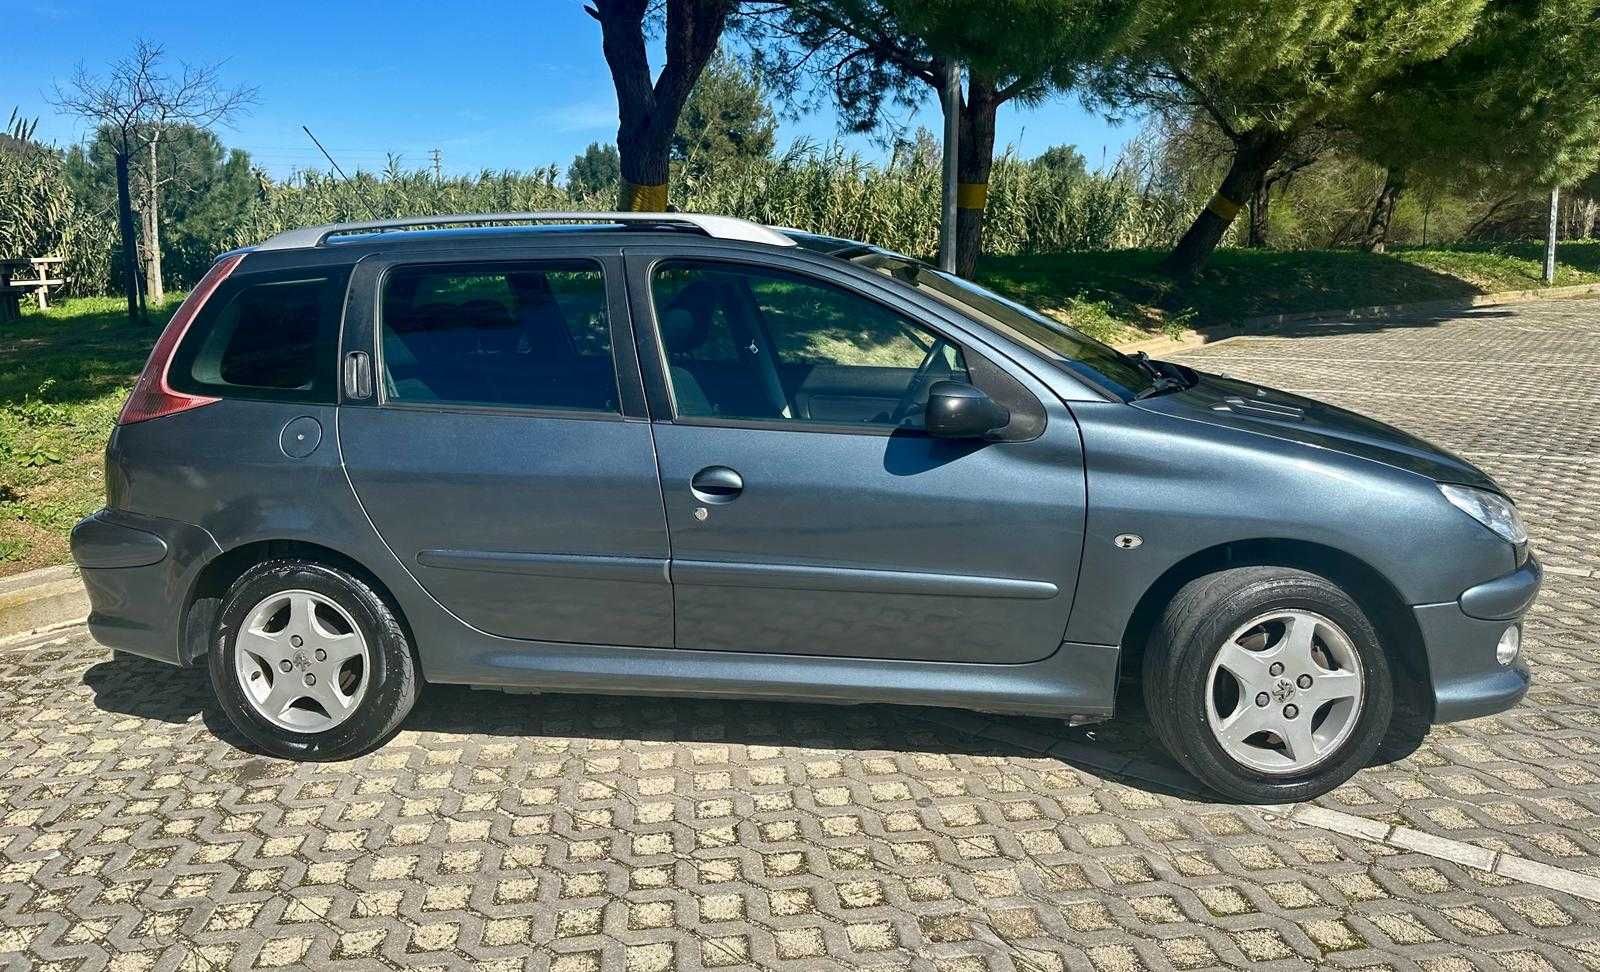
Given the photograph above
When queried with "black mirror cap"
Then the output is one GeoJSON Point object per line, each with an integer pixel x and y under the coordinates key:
{"type": "Point", "coordinates": [957, 410]}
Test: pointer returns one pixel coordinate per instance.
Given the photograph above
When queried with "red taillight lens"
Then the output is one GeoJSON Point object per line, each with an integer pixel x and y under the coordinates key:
{"type": "Point", "coordinates": [152, 397]}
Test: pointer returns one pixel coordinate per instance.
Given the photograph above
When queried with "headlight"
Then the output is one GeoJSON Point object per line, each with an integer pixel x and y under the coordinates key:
{"type": "Point", "coordinates": [1491, 509]}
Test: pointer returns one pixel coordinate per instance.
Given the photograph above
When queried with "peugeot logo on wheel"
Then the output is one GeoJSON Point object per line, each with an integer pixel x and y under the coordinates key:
{"type": "Point", "coordinates": [1283, 691]}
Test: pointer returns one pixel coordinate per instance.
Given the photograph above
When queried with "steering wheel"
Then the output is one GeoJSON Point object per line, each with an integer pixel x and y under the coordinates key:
{"type": "Point", "coordinates": [920, 380]}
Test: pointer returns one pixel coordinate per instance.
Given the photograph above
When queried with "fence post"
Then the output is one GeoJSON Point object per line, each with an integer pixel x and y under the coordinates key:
{"type": "Point", "coordinates": [1550, 237]}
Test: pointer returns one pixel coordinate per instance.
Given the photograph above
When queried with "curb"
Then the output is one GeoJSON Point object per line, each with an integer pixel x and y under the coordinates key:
{"type": "Point", "coordinates": [1221, 332]}
{"type": "Point", "coordinates": [41, 599]}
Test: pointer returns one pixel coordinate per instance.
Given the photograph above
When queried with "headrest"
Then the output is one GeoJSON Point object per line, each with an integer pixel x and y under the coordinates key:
{"type": "Point", "coordinates": [681, 330]}
{"type": "Point", "coordinates": [686, 322]}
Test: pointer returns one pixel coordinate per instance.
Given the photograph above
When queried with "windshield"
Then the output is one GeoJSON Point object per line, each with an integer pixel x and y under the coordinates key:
{"type": "Point", "coordinates": [1072, 349]}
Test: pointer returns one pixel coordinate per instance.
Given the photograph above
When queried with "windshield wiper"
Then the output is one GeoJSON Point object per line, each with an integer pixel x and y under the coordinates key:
{"type": "Point", "coordinates": [1161, 380]}
{"type": "Point", "coordinates": [1160, 386]}
{"type": "Point", "coordinates": [1148, 366]}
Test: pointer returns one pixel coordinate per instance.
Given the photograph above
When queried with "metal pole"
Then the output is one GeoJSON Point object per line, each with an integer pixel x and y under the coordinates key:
{"type": "Point", "coordinates": [951, 96]}
{"type": "Point", "coordinates": [1550, 238]}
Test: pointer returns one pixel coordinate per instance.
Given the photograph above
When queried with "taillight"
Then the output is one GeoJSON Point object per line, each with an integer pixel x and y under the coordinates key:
{"type": "Point", "coordinates": [152, 396]}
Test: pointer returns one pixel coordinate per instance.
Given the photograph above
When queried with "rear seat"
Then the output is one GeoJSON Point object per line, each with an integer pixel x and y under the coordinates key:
{"type": "Point", "coordinates": [477, 352]}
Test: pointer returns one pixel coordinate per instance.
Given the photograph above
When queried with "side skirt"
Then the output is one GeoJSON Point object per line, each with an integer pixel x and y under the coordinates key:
{"type": "Point", "coordinates": [1077, 680]}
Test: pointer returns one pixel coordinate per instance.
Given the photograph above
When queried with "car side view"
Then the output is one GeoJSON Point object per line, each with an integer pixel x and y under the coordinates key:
{"type": "Point", "coordinates": [689, 455]}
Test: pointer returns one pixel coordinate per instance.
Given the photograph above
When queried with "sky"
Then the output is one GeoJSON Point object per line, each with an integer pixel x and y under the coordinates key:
{"type": "Point", "coordinates": [494, 84]}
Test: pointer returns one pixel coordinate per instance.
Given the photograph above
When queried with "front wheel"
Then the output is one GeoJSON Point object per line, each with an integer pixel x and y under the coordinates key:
{"type": "Point", "coordinates": [310, 663]}
{"type": "Point", "coordinates": [1268, 684]}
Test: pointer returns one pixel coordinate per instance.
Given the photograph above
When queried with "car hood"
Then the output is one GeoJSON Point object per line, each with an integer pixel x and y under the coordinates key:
{"type": "Point", "coordinates": [1243, 405]}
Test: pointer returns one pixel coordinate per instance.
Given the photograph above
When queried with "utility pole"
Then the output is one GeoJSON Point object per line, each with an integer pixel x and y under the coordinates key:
{"type": "Point", "coordinates": [437, 178]}
{"type": "Point", "coordinates": [950, 93]}
{"type": "Point", "coordinates": [1550, 237]}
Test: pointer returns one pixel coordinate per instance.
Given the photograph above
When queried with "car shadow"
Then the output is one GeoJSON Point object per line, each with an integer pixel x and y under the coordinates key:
{"type": "Point", "coordinates": [1120, 750]}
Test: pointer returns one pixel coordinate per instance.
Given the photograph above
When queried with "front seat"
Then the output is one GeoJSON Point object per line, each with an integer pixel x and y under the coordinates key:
{"type": "Point", "coordinates": [682, 330]}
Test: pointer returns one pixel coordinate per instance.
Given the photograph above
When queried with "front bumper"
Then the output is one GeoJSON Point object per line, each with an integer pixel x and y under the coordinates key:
{"type": "Point", "coordinates": [1460, 638]}
{"type": "Point", "coordinates": [138, 571]}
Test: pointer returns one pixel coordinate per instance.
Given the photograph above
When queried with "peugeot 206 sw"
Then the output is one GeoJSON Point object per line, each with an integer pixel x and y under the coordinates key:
{"type": "Point", "coordinates": [690, 455]}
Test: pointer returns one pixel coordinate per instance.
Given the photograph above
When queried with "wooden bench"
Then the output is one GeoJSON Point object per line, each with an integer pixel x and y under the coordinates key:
{"type": "Point", "coordinates": [13, 283]}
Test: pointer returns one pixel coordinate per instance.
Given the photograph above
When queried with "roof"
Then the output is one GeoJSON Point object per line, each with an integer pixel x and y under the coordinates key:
{"type": "Point", "coordinates": [718, 227]}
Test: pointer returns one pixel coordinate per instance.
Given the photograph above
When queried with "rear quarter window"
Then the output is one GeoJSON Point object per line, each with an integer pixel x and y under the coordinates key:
{"type": "Point", "coordinates": [266, 336]}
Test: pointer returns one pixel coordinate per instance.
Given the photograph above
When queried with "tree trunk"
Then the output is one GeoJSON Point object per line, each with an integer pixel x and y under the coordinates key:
{"type": "Point", "coordinates": [1482, 222]}
{"type": "Point", "coordinates": [1260, 203]}
{"type": "Point", "coordinates": [154, 291]}
{"type": "Point", "coordinates": [130, 258]}
{"type": "Point", "coordinates": [1376, 238]}
{"type": "Point", "coordinates": [1254, 153]}
{"type": "Point", "coordinates": [648, 112]}
{"type": "Point", "coordinates": [974, 161]}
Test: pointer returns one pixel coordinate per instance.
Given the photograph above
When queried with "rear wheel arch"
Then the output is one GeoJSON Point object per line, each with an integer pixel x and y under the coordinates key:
{"type": "Point", "coordinates": [211, 586]}
{"type": "Point", "coordinates": [1389, 613]}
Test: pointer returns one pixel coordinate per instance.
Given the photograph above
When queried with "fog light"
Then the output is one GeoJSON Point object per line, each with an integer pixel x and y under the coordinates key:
{"type": "Point", "coordinates": [1510, 643]}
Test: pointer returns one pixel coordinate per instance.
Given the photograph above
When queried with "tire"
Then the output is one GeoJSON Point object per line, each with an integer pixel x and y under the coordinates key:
{"type": "Point", "coordinates": [1202, 710]}
{"type": "Point", "coordinates": [368, 678]}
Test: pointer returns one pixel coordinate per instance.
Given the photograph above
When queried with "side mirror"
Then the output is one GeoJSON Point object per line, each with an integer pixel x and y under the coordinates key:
{"type": "Point", "coordinates": [957, 410]}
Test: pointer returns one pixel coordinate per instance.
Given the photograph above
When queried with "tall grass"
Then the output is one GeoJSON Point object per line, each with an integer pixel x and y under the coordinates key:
{"type": "Point", "coordinates": [824, 190]}
{"type": "Point", "coordinates": [40, 216]}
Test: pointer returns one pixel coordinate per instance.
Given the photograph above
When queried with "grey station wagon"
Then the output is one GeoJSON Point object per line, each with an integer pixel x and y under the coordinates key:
{"type": "Point", "coordinates": [690, 455]}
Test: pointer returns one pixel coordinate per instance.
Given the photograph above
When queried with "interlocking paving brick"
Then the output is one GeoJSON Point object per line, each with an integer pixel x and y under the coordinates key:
{"type": "Point", "coordinates": [584, 833]}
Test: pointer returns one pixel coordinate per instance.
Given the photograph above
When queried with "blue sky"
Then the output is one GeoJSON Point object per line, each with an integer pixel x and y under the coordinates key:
{"type": "Point", "coordinates": [495, 84]}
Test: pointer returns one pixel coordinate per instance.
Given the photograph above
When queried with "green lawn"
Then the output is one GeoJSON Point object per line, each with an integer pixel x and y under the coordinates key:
{"type": "Point", "coordinates": [63, 376]}
{"type": "Point", "coordinates": [1121, 294]}
{"type": "Point", "coordinates": [64, 373]}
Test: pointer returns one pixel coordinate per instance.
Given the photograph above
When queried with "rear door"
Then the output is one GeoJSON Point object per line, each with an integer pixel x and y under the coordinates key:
{"type": "Point", "coordinates": [809, 512]}
{"type": "Point", "coordinates": [503, 452]}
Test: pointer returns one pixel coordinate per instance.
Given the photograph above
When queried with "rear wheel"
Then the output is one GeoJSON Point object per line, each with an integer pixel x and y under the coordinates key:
{"type": "Point", "coordinates": [310, 663]}
{"type": "Point", "coordinates": [1268, 684]}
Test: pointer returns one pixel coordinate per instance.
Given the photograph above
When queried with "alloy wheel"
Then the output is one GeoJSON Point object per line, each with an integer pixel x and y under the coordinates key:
{"type": "Point", "coordinates": [1284, 692]}
{"type": "Point", "coordinates": [301, 661]}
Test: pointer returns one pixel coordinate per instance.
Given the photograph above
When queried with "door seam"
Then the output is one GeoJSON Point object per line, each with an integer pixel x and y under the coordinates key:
{"type": "Point", "coordinates": [655, 454]}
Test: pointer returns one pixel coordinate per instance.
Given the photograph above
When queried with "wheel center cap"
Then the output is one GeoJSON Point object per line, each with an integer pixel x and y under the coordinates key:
{"type": "Point", "coordinates": [301, 661]}
{"type": "Point", "coordinates": [1283, 691]}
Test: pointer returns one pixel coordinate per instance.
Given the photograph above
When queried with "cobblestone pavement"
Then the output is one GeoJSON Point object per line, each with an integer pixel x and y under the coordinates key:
{"type": "Point", "coordinates": [581, 832]}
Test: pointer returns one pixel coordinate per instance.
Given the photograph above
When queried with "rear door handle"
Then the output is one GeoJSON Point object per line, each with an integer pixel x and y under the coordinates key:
{"type": "Point", "coordinates": [716, 484]}
{"type": "Point", "coordinates": [357, 375]}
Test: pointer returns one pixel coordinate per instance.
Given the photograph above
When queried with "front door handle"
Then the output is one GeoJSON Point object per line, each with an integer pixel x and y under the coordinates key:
{"type": "Point", "coordinates": [716, 484]}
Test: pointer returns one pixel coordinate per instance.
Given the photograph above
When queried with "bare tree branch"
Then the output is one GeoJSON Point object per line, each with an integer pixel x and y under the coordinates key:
{"type": "Point", "coordinates": [136, 103]}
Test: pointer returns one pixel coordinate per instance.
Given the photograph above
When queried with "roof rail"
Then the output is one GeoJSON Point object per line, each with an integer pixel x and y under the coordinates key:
{"type": "Point", "coordinates": [719, 227]}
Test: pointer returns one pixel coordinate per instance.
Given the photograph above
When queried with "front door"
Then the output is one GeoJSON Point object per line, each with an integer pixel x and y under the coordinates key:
{"type": "Point", "coordinates": [809, 513]}
{"type": "Point", "coordinates": [498, 460]}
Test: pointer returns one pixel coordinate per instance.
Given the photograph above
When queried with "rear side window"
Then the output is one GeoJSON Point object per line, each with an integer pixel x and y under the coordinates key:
{"type": "Point", "coordinates": [523, 335]}
{"type": "Point", "coordinates": [268, 337]}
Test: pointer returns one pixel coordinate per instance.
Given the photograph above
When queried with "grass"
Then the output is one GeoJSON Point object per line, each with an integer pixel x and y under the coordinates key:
{"type": "Point", "coordinates": [64, 374]}
{"type": "Point", "coordinates": [1121, 294]}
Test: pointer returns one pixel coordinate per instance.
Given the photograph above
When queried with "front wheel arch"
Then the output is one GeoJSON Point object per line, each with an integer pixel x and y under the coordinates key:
{"type": "Point", "coordinates": [1394, 619]}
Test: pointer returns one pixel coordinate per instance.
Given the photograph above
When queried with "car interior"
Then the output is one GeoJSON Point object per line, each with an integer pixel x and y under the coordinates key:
{"type": "Point", "coordinates": [739, 345]}
{"type": "Point", "coordinates": [771, 347]}
{"type": "Point", "coordinates": [522, 338]}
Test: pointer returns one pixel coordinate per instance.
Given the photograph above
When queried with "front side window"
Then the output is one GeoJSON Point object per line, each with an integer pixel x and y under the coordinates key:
{"type": "Point", "coordinates": [750, 343]}
{"type": "Point", "coordinates": [532, 335]}
{"type": "Point", "coordinates": [274, 339]}
{"type": "Point", "coordinates": [1070, 348]}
